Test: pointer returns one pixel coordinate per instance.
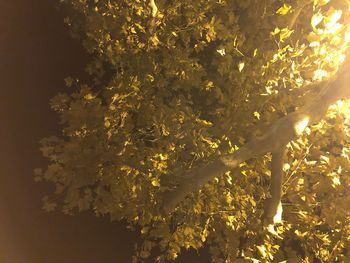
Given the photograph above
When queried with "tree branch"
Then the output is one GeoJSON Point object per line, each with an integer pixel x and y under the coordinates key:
{"type": "Point", "coordinates": [297, 12]}
{"type": "Point", "coordinates": [277, 136]}
{"type": "Point", "coordinates": [273, 206]}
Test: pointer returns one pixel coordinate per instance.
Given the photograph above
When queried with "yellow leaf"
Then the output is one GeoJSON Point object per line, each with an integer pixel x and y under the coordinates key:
{"type": "Point", "coordinates": [240, 66]}
{"type": "Point", "coordinates": [228, 198]}
{"type": "Point", "coordinates": [324, 159]}
{"type": "Point", "coordinates": [262, 250]}
{"type": "Point", "coordinates": [89, 96]}
{"type": "Point", "coordinates": [188, 231]}
{"type": "Point", "coordinates": [155, 182]}
{"type": "Point", "coordinates": [154, 40]}
{"type": "Point", "coordinates": [283, 10]}
{"type": "Point", "coordinates": [285, 33]}
{"type": "Point", "coordinates": [333, 16]}
{"type": "Point", "coordinates": [252, 202]}
{"type": "Point", "coordinates": [275, 32]}
{"type": "Point", "coordinates": [107, 123]}
{"type": "Point", "coordinates": [286, 167]}
{"type": "Point", "coordinates": [257, 115]}
{"type": "Point", "coordinates": [300, 234]}
{"type": "Point", "coordinates": [221, 51]}
{"type": "Point", "coordinates": [163, 157]}
{"type": "Point", "coordinates": [316, 19]}
{"type": "Point", "coordinates": [204, 122]}
{"type": "Point", "coordinates": [320, 2]}
{"type": "Point", "coordinates": [229, 178]}
{"type": "Point", "coordinates": [335, 181]}
{"type": "Point", "coordinates": [315, 44]}
{"type": "Point", "coordinates": [320, 74]}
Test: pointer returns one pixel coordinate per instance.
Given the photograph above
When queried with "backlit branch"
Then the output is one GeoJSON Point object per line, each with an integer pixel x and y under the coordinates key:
{"type": "Point", "coordinates": [275, 138]}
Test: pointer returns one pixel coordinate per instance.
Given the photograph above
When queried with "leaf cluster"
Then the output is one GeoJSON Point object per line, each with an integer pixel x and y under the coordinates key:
{"type": "Point", "coordinates": [196, 81]}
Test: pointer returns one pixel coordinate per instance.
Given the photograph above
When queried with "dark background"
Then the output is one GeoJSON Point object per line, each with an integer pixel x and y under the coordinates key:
{"type": "Point", "coordinates": [36, 54]}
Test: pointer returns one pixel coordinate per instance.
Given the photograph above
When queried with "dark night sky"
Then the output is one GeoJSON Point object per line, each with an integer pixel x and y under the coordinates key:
{"type": "Point", "coordinates": [36, 54]}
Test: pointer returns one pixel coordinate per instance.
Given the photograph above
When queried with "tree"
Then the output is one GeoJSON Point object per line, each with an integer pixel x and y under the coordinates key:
{"type": "Point", "coordinates": [189, 98]}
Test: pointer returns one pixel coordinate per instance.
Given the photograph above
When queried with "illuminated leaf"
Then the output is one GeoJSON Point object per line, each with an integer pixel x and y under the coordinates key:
{"type": "Point", "coordinates": [285, 33]}
{"type": "Point", "coordinates": [316, 19]}
{"type": "Point", "coordinates": [283, 10]}
{"type": "Point", "coordinates": [321, 2]}
{"type": "Point", "coordinates": [155, 182]}
{"type": "Point", "coordinates": [262, 250]}
{"type": "Point", "coordinates": [241, 66]}
{"type": "Point", "coordinates": [257, 115]}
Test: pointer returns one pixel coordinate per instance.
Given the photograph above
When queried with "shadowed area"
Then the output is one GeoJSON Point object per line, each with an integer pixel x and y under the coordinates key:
{"type": "Point", "coordinates": [36, 54]}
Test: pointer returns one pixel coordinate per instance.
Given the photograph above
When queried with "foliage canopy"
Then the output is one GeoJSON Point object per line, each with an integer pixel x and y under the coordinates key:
{"type": "Point", "coordinates": [179, 83]}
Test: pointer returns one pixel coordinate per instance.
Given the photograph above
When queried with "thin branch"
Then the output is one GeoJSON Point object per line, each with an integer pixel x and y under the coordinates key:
{"type": "Point", "coordinates": [297, 13]}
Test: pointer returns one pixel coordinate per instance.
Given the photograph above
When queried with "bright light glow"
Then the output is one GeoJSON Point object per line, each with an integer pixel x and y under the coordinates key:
{"type": "Point", "coordinates": [278, 216]}
{"type": "Point", "coordinates": [327, 26]}
{"type": "Point", "coordinates": [320, 74]}
{"type": "Point", "coordinates": [301, 125]}
{"type": "Point", "coordinates": [334, 17]}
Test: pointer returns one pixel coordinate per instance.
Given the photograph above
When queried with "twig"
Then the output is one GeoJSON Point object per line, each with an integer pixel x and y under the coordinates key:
{"type": "Point", "coordinates": [297, 13]}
